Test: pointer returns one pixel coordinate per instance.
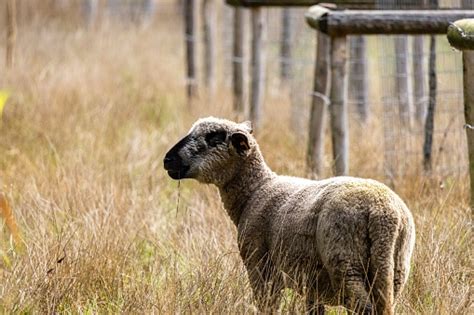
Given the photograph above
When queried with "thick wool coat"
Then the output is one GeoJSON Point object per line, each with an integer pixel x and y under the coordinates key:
{"type": "Point", "coordinates": [344, 240]}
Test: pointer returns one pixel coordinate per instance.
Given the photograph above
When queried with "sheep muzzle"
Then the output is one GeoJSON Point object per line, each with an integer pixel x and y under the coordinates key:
{"type": "Point", "coordinates": [173, 163]}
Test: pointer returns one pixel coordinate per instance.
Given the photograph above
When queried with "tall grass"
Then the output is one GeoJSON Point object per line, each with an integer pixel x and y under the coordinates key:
{"type": "Point", "coordinates": [82, 140]}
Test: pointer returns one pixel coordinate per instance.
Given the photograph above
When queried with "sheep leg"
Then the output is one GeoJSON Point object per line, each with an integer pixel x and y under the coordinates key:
{"type": "Point", "coordinates": [348, 279]}
{"type": "Point", "coordinates": [403, 252]}
{"type": "Point", "coordinates": [384, 234]}
{"type": "Point", "coordinates": [345, 254]}
{"type": "Point", "coordinates": [355, 294]}
{"type": "Point", "coordinates": [400, 277]}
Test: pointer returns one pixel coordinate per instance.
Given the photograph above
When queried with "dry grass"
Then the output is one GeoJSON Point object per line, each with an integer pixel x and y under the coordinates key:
{"type": "Point", "coordinates": [82, 142]}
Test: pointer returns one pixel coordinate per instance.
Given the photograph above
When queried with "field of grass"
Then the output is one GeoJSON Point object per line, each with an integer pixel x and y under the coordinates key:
{"type": "Point", "coordinates": [104, 230]}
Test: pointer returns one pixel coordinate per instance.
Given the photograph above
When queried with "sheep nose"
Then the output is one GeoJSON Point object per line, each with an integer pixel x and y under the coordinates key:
{"type": "Point", "coordinates": [168, 161]}
{"type": "Point", "coordinates": [171, 161]}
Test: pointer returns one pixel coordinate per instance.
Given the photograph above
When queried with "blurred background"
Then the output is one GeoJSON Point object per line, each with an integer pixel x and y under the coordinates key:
{"type": "Point", "coordinates": [95, 92]}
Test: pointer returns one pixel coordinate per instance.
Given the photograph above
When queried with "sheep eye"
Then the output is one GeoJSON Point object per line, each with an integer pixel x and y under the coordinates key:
{"type": "Point", "coordinates": [215, 137]}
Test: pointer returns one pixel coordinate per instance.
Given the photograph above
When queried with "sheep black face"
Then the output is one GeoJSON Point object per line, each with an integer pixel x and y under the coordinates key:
{"type": "Point", "coordinates": [210, 152]}
{"type": "Point", "coordinates": [173, 161]}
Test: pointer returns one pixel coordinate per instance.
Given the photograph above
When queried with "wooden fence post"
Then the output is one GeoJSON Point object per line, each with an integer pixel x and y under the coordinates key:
{"type": "Point", "coordinates": [285, 45]}
{"type": "Point", "coordinates": [90, 10]}
{"type": "Point", "coordinates": [257, 67]}
{"type": "Point", "coordinates": [419, 92]}
{"type": "Point", "coordinates": [358, 88]}
{"type": "Point", "coordinates": [467, 4]}
{"type": "Point", "coordinates": [149, 10]}
{"type": "Point", "coordinates": [208, 33]}
{"type": "Point", "coordinates": [338, 106]}
{"type": "Point", "coordinates": [315, 153]}
{"type": "Point", "coordinates": [419, 97]}
{"type": "Point", "coordinates": [11, 32]}
{"type": "Point", "coordinates": [403, 81]}
{"type": "Point", "coordinates": [468, 70]}
{"type": "Point", "coordinates": [287, 81]}
{"type": "Point", "coordinates": [432, 87]}
{"type": "Point", "coordinates": [429, 123]}
{"type": "Point", "coordinates": [189, 35]}
{"type": "Point", "coordinates": [461, 36]}
{"type": "Point", "coordinates": [238, 64]}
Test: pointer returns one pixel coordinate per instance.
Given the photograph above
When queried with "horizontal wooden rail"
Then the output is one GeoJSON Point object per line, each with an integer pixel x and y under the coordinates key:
{"type": "Point", "coordinates": [302, 3]}
{"type": "Point", "coordinates": [355, 4]}
{"type": "Point", "coordinates": [347, 22]}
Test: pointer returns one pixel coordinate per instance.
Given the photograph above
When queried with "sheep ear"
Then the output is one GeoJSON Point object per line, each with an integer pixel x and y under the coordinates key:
{"type": "Point", "coordinates": [240, 142]}
{"type": "Point", "coordinates": [248, 126]}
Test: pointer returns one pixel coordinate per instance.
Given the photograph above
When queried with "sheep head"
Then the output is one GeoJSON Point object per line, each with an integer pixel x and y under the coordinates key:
{"type": "Point", "coordinates": [211, 152]}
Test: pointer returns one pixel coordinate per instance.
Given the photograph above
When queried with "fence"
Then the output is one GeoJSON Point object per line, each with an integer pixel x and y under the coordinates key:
{"type": "Point", "coordinates": [388, 92]}
{"type": "Point", "coordinates": [388, 77]}
{"type": "Point", "coordinates": [461, 36]}
{"type": "Point", "coordinates": [339, 24]}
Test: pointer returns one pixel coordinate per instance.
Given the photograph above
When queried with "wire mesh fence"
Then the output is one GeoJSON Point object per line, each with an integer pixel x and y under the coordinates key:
{"type": "Point", "coordinates": [388, 93]}
{"type": "Point", "coordinates": [404, 144]}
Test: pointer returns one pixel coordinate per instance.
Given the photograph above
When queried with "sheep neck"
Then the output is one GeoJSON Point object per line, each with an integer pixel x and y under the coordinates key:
{"type": "Point", "coordinates": [246, 180]}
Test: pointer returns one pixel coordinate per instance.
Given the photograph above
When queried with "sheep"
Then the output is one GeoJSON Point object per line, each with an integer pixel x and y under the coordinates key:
{"type": "Point", "coordinates": [340, 241]}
